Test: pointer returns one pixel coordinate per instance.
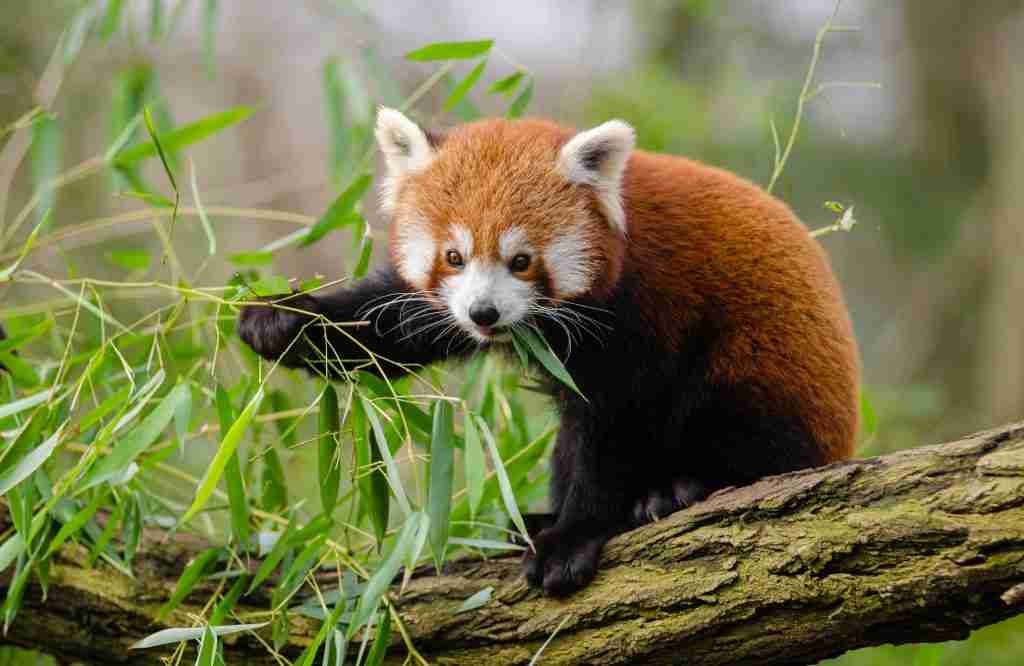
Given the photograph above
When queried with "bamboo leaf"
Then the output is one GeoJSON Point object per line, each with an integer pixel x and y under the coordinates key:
{"type": "Point", "coordinates": [138, 439]}
{"type": "Point", "coordinates": [339, 213]}
{"type": "Point", "coordinates": [382, 636]}
{"type": "Point", "coordinates": [237, 501]}
{"type": "Point", "coordinates": [507, 84]}
{"type": "Point", "coordinates": [522, 100]}
{"type": "Point", "coordinates": [476, 601]}
{"type": "Point", "coordinates": [251, 258]}
{"type": "Point", "coordinates": [185, 135]}
{"type": "Point", "coordinates": [464, 86]}
{"type": "Point", "coordinates": [130, 259]}
{"type": "Point", "coordinates": [28, 402]}
{"type": "Point", "coordinates": [77, 521]}
{"type": "Point", "coordinates": [540, 350]}
{"type": "Point", "coordinates": [227, 448]}
{"type": "Point", "coordinates": [475, 466]}
{"type": "Point", "coordinates": [30, 463]}
{"type": "Point", "coordinates": [451, 50]}
{"type": "Point", "coordinates": [378, 583]}
{"type": "Point", "coordinates": [204, 219]}
{"type": "Point", "coordinates": [439, 485]}
{"type": "Point", "coordinates": [273, 558]}
{"type": "Point", "coordinates": [507, 495]}
{"type": "Point", "coordinates": [329, 469]}
{"type": "Point", "coordinates": [380, 438]}
{"type": "Point", "coordinates": [207, 648]}
{"type": "Point", "coordinates": [192, 574]}
{"type": "Point", "coordinates": [371, 481]}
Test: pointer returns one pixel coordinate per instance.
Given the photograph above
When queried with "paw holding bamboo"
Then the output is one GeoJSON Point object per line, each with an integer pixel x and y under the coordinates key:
{"type": "Point", "coordinates": [688, 306]}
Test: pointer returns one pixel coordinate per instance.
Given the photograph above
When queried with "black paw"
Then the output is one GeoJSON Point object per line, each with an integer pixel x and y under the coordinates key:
{"type": "Point", "coordinates": [563, 562]}
{"type": "Point", "coordinates": [659, 502]}
{"type": "Point", "coordinates": [271, 329]}
{"type": "Point", "coordinates": [535, 524]}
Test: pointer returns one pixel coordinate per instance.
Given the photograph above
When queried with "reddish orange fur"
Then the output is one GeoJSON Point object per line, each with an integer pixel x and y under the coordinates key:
{"type": "Point", "coordinates": [703, 243]}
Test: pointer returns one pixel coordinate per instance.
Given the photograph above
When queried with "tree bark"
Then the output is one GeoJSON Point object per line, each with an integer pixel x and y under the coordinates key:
{"type": "Point", "coordinates": [922, 545]}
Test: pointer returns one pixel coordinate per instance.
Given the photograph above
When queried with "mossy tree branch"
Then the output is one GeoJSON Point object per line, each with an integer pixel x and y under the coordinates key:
{"type": "Point", "coordinates": [922, 545]}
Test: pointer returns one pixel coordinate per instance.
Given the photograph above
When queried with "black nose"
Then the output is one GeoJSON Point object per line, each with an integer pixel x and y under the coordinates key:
{"type": "Point", "coordinates": [484, 314]}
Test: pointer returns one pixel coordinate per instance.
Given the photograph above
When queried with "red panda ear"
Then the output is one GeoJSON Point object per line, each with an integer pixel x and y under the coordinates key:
{"type": "Point", "coordinates": [406, 149]}
{"type": "Point", "coordinates": [598, 157]}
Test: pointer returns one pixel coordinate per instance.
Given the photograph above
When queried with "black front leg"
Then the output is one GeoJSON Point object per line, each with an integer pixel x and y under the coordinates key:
{"type": "Point", "coordinates": [403, 328]}
{"type": "Point", "coordinates": [589, 503]}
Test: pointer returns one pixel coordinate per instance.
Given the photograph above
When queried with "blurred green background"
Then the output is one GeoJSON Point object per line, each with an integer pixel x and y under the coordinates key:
{"type": "Point", "coordinates": [932, 161]}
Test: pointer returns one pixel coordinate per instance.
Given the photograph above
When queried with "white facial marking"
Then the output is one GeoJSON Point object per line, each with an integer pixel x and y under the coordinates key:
{"type": "Point", "coordinates": [568, 263]}
{"type": "Point", "coordinates": [512, 242]}
{"type": "Point", "coordinates": [406, 150]}
{"type": "Point", "coordinates": [484, 280]}
{"type": "Point", "coordinates": [598, 157]}
{"type": "Point", "coordinates": [463, 240]}
{"type": "Point", "coordinates": [416, 251]}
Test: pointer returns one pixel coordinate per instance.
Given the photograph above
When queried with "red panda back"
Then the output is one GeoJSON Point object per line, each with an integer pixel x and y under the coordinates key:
{"type": "Point", "coordinates": [706, 245]}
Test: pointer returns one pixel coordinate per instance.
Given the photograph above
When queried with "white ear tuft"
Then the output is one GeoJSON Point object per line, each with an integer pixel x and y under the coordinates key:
{"type": "Point", "coordinates": [598, 157]}
{"type": "Point", "coordinates": [406, 150]}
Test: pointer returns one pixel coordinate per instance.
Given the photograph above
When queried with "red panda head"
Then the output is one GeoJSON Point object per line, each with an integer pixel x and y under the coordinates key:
{"type": "Point", "coordinates": [500, 220]}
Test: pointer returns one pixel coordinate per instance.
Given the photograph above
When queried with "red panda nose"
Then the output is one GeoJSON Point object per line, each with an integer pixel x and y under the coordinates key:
{"type": "Point", "coordinates": [484, 313]}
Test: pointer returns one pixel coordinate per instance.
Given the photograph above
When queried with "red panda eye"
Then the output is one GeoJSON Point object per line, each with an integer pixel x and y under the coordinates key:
{"type": "Point", "coordinates": [519, 263]}
{"type": "Point", "coordinates": [454, 258]}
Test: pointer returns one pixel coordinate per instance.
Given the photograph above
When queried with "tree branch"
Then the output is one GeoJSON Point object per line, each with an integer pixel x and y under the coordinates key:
{"type": "Point", "coordinates": [922, 545]}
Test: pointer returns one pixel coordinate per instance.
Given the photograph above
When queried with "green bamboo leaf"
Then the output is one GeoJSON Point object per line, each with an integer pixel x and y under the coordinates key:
{"type": "Point", "coordinates": [270, 286]}
{"type": "Point", "coordinates": [439, 484]}
{"type": "Point", "coordinates": [329, 623]}
{"type": "Point", "coordinates": [180, 634]}
{"type": "Point", "coordinates": [192, 574]}
{"type": "Point", "coordinates": [131, 532]}
{"type": "Point", "coordinates": [257, 258]}
{"type": "Point", "coordinates": [476, 601]}
{"type": "Point", "coordinates": [45, 162]}
{"type": "Point", "coordinates": [384, 451]}
{"type": "Point", "coordinates": [30, 242]}
{"type": "Point", "coordinates": [329, 469]}
{"type": "Point", "coordinates": [77, 521]}
{"type": "Point", "coordinates": [227, 448]}
{"type": "Point", "coordinates": [371, 480]}
{"type": "Point", "coordinates": [23, 373]}
{"type": "Point", "coordinates": [507, 84]}
{"type": "Point", "coordinates": [103, 540]}
{"type": "Point", "coordinates": [204, 219]}
{"type": "Point", "coordinates": [207, 648]}
{"type": "Point", "coordinates": [381, 639]}
{"type": "Point", "coordinates": [130, 259]}
{"type": "Point", "coordinates": [334, 100]}
{"type": "Point", "coordinates": [476, 468]}
{"type": "Point", "coordinates": [365, 253]}
{"type": "Point", "coordinates": [540, 350]}
{"type": "Point", "coordinates": [451, 50]}
{"type": "Point", "coordinates": [30, 463]}
{"type": "Point", "coordinates": [15, 590]}
{"type": "Point", "coordinates": [185, 135]}
{"type": "Point", "coordinates": [111, 19]}
{"type": "Point", "coordinates": [228, 601]}
{"type": "Point", "coordinates": [274, 557]}
{"type": "Point", "coordinates": [384, 575]}
{"type": "Point", "coordinates": [484, 544]}
{"type": "Point", "coordinates": [10, 550]}
{"type": "Point", "coordinates": [507, 495]}
{"type": "Point", "coordinates": [159, 146]}
{"type": "Point", "coordinates": [135, 442]}
{"type": "Point", "coordinates": [522, 100]}
{"type": "Point", "coordinates": [464, 86]}
{"type": "Point", "coordinates": [237, 501]}
{"type": "Point", "coordinates": [25, 336]}
{"type": "Point", "coordinates": [339, 213]}
{"type": "Point", "coordinates": [28, 402]}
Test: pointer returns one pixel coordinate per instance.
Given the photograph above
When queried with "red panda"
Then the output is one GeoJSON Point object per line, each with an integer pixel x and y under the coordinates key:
{"type": "Point", "coordinates": [695, 313]}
